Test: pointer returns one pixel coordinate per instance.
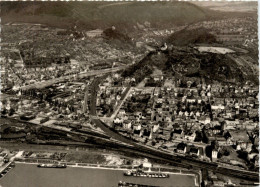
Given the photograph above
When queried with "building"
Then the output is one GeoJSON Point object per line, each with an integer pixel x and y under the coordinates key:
{"type": "Point", "coordinates": [94, 33]}
{"type": "Point", "coordinates": [181, 148]}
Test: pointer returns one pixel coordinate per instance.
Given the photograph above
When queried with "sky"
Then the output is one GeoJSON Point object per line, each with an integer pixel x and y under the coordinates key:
{"type": "Point", "coordinates": [229, 6]}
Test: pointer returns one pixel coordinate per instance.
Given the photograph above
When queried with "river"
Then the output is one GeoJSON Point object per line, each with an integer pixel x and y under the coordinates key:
{"type": "Point", "coordinates": [28, 175]}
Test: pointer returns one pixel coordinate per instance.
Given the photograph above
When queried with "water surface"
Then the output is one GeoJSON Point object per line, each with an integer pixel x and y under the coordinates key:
{"type": "Point", "coordinates": [28, 175]}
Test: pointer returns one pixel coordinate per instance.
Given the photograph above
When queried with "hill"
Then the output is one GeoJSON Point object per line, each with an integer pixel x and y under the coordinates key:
{"type": "Point", "coordinates": [193, 36]}
{"type": "Point", "coordinates": [114, 34]}
{"type": "Point", "coordinates": [117, 39]}
{"type": "Point", "coordinates": [89, 15]}
{"type": "Point", "coordinates": [190, 63]}
{"type": "Point", "coordinates": [187, 62]}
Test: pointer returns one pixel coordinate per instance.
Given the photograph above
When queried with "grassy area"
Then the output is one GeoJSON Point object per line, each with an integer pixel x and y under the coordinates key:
{"type": "Point", "coordinates": [93, 158]}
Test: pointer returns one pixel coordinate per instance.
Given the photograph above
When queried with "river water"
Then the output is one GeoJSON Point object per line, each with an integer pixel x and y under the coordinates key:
{"type": "Point", "coordinates": [28, 175]}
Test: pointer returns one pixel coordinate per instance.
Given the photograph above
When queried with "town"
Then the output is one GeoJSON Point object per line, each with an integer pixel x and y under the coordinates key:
{"type": "Point", "coordinates": [182, 100]}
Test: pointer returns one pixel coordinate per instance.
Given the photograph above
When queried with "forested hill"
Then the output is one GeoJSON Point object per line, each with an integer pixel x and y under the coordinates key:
{"type": "Point", "coordinates": [102, 15]}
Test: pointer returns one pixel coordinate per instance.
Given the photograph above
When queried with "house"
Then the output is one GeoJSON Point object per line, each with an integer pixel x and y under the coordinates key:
{"type": "Point", "coordinates": [194, 151]}
{"type": "Point", "coordinates": [177, 133]}
{"type": "Point", "coordinates": [204, 120]}
{"type": "Point", "coordinates": [181, 113]}
{"type": "Point", "coordinates": [118, 97]}
{"type": "Point", "coordinates": [215, 129]}
{"type": "Point", "coordinates": [118, 120]}
{"type": "Point", "coordinates": [137, 128]}
{"type": "Point", "coordinates": [156, 128]}
{"type": "Point", "coordinates": [217, 183]}
{"type": "Point", "coordinates": [190, 136]}
{"type": "Point", "coordinates": [214, 155]}
{"type": "Point", "coordinates": [191, 100]}
{"type": "Point", "coordinates": [251, 156]}
{"type": "Point", "coordinates": [138, 114]}
{"type": "Point", "coordinates": [257, 161]}
{"type": "Point", "coordinates": [127, 124]}
{"type": "Point", "coordinates": [229, 141]}
{"type": "Point", "coordinates": [250, 126]}
{"type": "Point", "coordinates": [217, 107]}
{"type": "Point", "coordinates": [214, 123]}
{"type": "Point", "coordinates": [239, 136]}
{"type": "Point", "coordinates": [102, 88]}
{"type": "Point", "coordinates": [245, 145]}
{"type": "Point", "coordinates": [168, 119]}
{"type": "Point", "coordinates": [121, 112]}
{"type": "Point", "coordinates": [181, 148]}
{"type": "Point", "coordinates": [198, 114]}
{"type": "Point", "coordinates": [230, 125]}
{"type": "Point", "coordinates": [256, 141]}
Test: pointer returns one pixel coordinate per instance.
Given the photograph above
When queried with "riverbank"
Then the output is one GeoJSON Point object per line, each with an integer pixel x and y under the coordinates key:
{"type": "Point", "coordinates": [77, 165]}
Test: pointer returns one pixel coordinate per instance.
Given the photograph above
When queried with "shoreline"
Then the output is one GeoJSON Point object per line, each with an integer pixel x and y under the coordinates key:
{"type": "Point", "coordinates": [100, 167]}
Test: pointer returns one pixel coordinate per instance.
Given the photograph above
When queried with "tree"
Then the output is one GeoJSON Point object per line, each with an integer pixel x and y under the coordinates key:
{"type": "Point", "coordinates": [208, 151]}
{"type": "Point", "coordinates": [204, 137]}
{"type": "Point", "coordinates": [242, 155]}
{"type": "Point", "coordinates": [226, 152]}
{"type": "Point", "coordinates": [11, 112]}
{"type": "Point", "coordinates": [199, 136]}
{"type": "Point", "coordinates": [4, 111]}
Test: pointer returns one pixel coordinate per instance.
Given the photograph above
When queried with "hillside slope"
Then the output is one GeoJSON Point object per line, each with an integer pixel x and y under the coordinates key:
{"type": "Point", "coordinates": [193, 36]}
{"type": "Point", "coordinates": [104, 14]}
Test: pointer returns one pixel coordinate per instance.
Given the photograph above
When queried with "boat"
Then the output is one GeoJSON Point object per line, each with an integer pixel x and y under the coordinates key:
{"type": "Point", "coordinates": [140, 173]}
{"type": "Point", "coordinates": [52, 165]}
{"type": "Point", "coordinates": [127, 184]}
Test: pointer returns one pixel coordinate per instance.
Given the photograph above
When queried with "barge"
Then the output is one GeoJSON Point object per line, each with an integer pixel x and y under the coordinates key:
{"type": "Point", "coordinates": [51, 165]}
{"type": "Point", "coordinates": [127, 184]}
{"type": "Point", "coordinates": [140, 173]}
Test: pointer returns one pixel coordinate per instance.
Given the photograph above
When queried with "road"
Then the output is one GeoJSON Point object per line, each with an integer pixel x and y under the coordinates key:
{"type": "Point", "coordinates": [124, 96]}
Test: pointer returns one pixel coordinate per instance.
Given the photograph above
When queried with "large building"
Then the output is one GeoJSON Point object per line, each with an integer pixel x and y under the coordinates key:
{"type": "Point", "coordinates": [94, 33]}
